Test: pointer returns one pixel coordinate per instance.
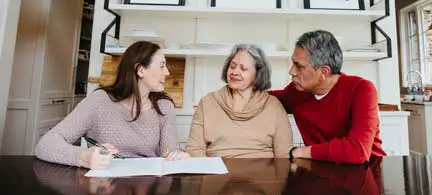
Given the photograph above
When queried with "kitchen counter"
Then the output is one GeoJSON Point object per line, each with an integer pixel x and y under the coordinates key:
{"type": "Point", "coordinates": [417, 103]}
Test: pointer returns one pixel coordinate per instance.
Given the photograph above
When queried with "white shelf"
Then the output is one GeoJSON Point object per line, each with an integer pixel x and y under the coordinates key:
{"type": "Point", "coordinates": [362, 56]}
{"type": "Point", "coordinates": [147, 38]}
{"type": "Point", "coordinates": [213, 12]}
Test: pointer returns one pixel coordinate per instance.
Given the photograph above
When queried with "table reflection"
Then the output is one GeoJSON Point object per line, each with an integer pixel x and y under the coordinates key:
{"type": "Point", "coordinates": [71, 180]}
{"type": "Point", "coordinates": [312, 177]}
{"type": "Point", "coordinates": [246, 176]}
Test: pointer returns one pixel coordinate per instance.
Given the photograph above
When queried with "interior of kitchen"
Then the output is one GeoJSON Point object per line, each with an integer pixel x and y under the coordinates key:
{"type": "Point", "coordinates": [415, 41]}
{"type": "Point", "coordinates": [56, 65]}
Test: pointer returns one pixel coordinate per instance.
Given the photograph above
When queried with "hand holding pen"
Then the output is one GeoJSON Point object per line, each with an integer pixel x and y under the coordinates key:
{"type": "Point", "coordinates": [98, 156]}
{"type": "Point", "coordinates": [105, 147]}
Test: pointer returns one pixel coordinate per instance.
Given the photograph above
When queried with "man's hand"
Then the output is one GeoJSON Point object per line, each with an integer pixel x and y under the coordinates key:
{"type": "Point", "coordinates": [302, 152]}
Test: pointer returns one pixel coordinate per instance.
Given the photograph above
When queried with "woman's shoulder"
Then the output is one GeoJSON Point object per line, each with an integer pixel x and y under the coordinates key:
{"type": "Point", "coordinates": [208, 98]}
{"type": "Point", "coordinates": [98, 95]}
{"type": "Point", "coordinates": [166, 106]}
{"type": "Point", "coordinates": [95, 98]}
{"type": "Point", "coordinates": [273, 103]}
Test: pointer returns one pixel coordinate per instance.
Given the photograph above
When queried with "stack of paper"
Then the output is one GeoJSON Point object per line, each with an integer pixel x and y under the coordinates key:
{"type": "Point", "coordinates": [160, 166]}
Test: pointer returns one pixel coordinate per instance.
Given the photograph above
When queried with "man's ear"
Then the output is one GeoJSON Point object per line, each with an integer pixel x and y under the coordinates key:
{"type": "Point", "coordinates": [326, 70]}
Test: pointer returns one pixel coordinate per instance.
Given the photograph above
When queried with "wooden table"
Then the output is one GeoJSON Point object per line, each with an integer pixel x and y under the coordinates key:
{"type": "Point", "coordinates": [390, 175]}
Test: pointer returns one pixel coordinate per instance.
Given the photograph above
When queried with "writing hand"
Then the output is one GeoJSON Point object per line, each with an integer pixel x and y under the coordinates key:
{"type": "Point", "coordinates": [176, 155]}
{"type": "Point", "coordinates": [97, 157]}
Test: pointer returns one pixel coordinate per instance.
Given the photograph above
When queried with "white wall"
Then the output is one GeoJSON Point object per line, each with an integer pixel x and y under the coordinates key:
{"type": "Point", "coordinates": [203, 74]}
{"type": "Point", "coordinates": [9, 14]}
{"type": "Point", "coordinates": [101, 20]}
{"type": "Point", "coordinates": [388, 81]}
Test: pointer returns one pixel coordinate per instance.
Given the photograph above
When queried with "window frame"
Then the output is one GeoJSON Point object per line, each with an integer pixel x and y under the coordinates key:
{"type": "Point", "coordinates": [405, 38]}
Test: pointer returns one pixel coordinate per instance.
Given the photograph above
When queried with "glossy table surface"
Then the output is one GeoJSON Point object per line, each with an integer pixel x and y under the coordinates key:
{"type": "Point", "coordinates": [389, 175]}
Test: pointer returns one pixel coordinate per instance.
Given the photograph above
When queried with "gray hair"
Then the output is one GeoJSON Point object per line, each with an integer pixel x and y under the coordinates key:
{"type": "Point", "coordinates": [262, 80]}
{"type": "Point", "coordinates": [323, 49]}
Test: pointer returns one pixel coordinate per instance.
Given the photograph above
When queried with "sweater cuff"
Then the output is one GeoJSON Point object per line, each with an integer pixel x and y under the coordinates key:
{"type": "Point", "coordinates": [321, 152]}
{"type": "Point", "coordinates": [76, 156]}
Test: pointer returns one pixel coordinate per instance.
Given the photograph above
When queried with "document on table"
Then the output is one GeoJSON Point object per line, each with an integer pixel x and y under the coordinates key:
{"type": "Point", "coordinates": [160, 166]}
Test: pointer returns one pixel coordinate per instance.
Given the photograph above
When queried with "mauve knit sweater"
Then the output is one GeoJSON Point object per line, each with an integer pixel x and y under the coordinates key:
{"type": "Point", "coordinates": [105, 121]}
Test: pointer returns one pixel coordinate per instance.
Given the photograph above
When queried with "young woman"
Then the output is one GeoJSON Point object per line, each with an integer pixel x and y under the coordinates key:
{"type": "Point", "coordinates": [131, 118]}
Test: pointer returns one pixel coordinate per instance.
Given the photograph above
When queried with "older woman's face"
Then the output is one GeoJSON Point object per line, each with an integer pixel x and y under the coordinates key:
{"type": "Point", "coordinates": [241, 71]}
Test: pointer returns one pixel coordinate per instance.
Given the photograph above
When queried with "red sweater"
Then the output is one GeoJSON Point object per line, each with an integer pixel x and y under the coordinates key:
{"type": "Point", "coordinates": [343, 126]}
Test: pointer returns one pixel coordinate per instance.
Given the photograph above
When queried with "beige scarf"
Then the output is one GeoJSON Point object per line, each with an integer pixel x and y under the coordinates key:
{"type": "Point", "coordinates": [253, 107]}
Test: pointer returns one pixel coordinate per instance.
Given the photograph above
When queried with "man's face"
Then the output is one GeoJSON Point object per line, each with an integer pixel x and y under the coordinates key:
{"type": "Point", "coordinates": [303, 74]}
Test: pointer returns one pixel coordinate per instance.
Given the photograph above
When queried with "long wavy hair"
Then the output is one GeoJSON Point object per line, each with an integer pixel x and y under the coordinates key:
{"type": "Point", "coordinates": [137, 55]}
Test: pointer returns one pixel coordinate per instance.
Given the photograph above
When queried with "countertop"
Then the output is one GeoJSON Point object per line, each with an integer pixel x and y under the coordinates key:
{"type": "Point", "coordinates": [417, 103]}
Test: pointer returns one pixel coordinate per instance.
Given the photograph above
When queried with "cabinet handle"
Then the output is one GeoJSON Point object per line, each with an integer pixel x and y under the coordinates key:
{"type": "Point", "coordinates": [57, 101]}
{"type": "Point", "coordinates": [413, 112]}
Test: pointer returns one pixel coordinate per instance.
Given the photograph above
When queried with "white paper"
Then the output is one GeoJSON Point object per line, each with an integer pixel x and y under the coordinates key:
{"type": "Point", "coordinates": [211, 165]}
{"type": "Point", "coordinates": [130, 167]}
{"type": "Point", "coordinates": [160, 166]}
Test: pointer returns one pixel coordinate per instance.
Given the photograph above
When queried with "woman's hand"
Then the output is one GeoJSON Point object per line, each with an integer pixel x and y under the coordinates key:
{"type": "Point", "coordinates": [176, 155]}
{"type": "Point", "coordinates": [97, 157]}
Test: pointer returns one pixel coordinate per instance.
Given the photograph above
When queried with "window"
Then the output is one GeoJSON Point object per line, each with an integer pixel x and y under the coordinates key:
{"type": "Point", "coordinates": [416, 39]}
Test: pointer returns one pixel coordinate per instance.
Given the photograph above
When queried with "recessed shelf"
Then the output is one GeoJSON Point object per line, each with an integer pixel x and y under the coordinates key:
{"type": "Point", "coordinates": [214, 12]}
{"type": "Point", "coordinates": [362, 56]}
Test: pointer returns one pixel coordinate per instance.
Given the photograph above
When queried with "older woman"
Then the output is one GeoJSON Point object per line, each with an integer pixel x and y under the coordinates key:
{"type": "Point", "coordinates": [241, 119]}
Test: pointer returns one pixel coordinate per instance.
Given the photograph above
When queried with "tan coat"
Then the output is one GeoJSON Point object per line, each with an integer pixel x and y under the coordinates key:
{"type": "Point", "coordinates": [260, 130]}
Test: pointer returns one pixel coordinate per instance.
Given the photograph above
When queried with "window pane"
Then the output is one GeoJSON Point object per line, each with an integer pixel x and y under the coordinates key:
{"type": "Point", "coordinates": [427, 17]}
{"type": "Point", "coordinates": [412, 77]}
{"type": "Point", "coordinates": [427, 44]}
{"type": "Point", "coordinates": [426, 41]}
{"type": "Point", "coordinates": [414, 49]}
{"type": "Point", "coordinates": [415, 65]}
{"type": "Point", "coordinates": [412, 25]}
{"type": "Point", "coordinates": [429, 70]}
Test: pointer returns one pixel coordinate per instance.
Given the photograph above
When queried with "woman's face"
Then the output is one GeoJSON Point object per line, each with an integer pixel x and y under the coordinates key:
{"type": "Point", "coordinates": [153, 77]}
{"type": "Point", "coordinates": [241, 71]}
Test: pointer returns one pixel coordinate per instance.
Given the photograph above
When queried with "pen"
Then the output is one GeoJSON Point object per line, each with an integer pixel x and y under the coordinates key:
{"type": "Point", "coordinates": [92, 141]}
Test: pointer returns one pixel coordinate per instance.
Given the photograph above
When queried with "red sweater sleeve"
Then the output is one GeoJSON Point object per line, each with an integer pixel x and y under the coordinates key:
{"type": "Point", "coordinates": [285, 96]}
{"type": "Point", "coordinates": [277, 93]}
{"type": "Point", "coordinates": [356, 146]}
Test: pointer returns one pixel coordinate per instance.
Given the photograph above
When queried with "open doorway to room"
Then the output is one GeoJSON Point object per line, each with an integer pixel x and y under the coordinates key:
{"type": "Point", "coordinates": [82, 65]}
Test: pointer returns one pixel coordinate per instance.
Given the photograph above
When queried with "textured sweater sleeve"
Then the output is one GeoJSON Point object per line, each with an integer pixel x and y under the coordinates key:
{"type": "Point", "coordinates": [169, 135]}
{"type": "Point", "coordinates": [283, 139]}
{"type": "Point", "coordinates": [196, 145]}
{"type": "Point", "coordinates": [56, 145]}
{"type": "Point", "coordinates": [277, 93]}
{"type": "Point", "coordinates": [285, 96]}
{"type": "Point", "coordinates": [356, 146]}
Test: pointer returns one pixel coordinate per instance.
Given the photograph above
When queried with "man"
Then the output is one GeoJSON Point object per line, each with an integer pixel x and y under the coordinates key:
{"type": "Point", "coordinates": [337, 114]}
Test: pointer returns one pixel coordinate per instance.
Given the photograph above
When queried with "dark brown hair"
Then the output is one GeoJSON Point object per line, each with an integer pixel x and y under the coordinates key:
{"type": "Point", "coordinates": [126, 83]}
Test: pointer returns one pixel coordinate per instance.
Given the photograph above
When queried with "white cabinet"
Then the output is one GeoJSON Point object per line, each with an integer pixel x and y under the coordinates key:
{"type": "Point", "coordinates": [183, 124]}
{"type": "Point", "coordinates": [60, 47]}
{"type": "Point", "coordinates": [394, 131]}
{"type": "Point", "coordinates": [297, 138]}
{"type": "Point", "coordinates": [420, 127]}
{"type": "Point", "coordinates": [41, 91]}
